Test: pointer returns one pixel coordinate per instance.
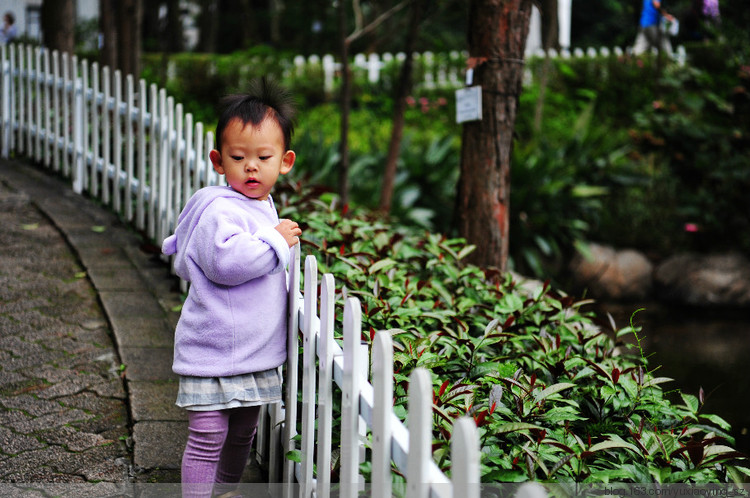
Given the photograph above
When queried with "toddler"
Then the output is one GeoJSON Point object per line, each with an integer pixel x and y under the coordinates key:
{"type": "Point", "coordinates": [233, 249]}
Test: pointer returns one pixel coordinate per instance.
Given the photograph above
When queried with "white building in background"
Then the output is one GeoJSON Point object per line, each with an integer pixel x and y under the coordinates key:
{"type": "Point", "coordinates": [29, 14]}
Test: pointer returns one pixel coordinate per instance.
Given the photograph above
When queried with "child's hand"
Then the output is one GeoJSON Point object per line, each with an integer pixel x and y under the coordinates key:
{"type": "Point", "coordinates": [290, 230]}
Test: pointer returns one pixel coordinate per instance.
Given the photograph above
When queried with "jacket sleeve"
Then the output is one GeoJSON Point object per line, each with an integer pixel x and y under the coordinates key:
{"type": "Point", "coordinates": [229, 252]}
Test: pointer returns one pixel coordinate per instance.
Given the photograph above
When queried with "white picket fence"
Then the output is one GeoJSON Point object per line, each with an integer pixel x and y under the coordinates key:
{"type": "Point", "coordinates": [366, 408]}
{"type": "Point", "coordinates": [133, 148]}
{"type": "Point", "coordinates": [444, 70]}
{"type": "Point", "coordinates": [441, 70]}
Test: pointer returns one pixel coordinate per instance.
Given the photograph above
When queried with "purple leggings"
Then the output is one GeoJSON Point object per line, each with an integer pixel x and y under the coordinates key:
{"type": "Point", "coordinates": [217, 448]}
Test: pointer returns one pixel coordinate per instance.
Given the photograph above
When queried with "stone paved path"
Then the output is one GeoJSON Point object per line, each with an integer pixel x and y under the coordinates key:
{"type": "Point", "coordinates": [63, 411]}
{"type": "Point", "coordinates": [87, 318]}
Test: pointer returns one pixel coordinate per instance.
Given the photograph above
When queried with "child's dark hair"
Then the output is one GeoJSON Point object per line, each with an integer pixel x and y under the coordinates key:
{"type": "Point", "coordinates": [265, 99]}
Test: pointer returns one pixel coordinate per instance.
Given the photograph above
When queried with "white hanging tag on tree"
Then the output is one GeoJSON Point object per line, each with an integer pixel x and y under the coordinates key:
{"type": "Point", "coordinates": [469, 104]}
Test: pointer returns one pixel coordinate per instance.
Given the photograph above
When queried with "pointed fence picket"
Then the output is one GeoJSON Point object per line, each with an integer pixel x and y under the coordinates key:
{"type": "Point", "coordinates": [140, 154]}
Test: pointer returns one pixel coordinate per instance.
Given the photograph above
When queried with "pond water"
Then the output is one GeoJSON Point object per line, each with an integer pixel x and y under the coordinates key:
{"type": "Point", "coordinates": [699, 348]}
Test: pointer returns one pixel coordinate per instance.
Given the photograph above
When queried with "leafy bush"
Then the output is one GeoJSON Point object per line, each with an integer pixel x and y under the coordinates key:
{"type": "Point", "coordinates": [557, 395]}
{"type": "Point", "coordinates": [696, 135]}
{"type": "Point", "coordinates": [628, 151]}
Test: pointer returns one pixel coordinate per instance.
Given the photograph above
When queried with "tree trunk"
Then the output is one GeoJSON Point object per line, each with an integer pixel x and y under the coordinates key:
{"type": "Point", "coordinates": [497, 37]}
{"type": "Point", "coordinates": [402, 91]}
{"type": "Point", "coordinates": [121, 25]}
{"type": "Point", "coordinates": [209, 26]}
{"type": "Point", "coordinates": [550, 25]}
{"type": "Point", "coordinates": [173, 35]}
{"type": "Point", "coordinates": [129, 16]}
{"type": "Point", "coordinates": [107, 16]}
{"type": "Point", "coordinates": [58, 25]}
{"type": "Point", "coordinates": [276, 8]}
{"type": "Point", "coordinates": [345, 107]}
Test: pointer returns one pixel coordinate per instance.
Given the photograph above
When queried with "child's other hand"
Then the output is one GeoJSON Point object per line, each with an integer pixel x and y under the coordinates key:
{"type": "Point", "coordinates": [290, 230]}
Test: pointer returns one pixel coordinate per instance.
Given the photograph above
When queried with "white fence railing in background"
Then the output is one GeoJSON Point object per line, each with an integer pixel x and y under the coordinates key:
{"type": "Point", "coordinates": [133, 148]}
{"type": "Point", "coordinates": [446, 70]}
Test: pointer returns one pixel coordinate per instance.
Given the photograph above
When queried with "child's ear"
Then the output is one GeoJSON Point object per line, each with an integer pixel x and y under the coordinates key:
{"type": "Point", "coordinates": [287, 162]}
{"type": "Point", "coordinates": [215, 157]}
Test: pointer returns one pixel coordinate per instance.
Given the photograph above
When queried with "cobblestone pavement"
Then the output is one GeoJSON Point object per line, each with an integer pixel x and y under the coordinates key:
{"type": "Point", "coordinates": [63, 405]}
{"type": "Point", "coordinates": [87, 317]}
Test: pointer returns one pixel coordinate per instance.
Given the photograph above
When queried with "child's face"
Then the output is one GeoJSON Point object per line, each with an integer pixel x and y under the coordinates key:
{"type": "Point", "coordinates": [252, 158]}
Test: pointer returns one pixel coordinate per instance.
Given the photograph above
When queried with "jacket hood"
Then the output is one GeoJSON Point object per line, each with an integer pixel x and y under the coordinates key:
{"type": "Point", "coordinates": [188, 219]}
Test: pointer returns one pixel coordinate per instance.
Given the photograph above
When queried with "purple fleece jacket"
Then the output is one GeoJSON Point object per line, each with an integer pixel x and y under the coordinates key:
{"type": "Point", "coordinates": [234, 319]}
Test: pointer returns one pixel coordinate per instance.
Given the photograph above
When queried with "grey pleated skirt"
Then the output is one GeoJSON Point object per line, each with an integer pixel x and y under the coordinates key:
{"type": "Point", "coordinates": [221, 393]}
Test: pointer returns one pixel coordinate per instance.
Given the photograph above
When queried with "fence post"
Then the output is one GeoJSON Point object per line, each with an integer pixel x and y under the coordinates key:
{"type": "Point", "coordinates": [329, 70]}
{"type": "Point", "coordinates": [187, 189]}
{"type": "Point", "coordinates": [350, 399]}
{"type": "Point", "coordinates": [382, 383]}
{"type": "Point", "coordinates": [15, 128]}
{"type": "Point", "coordinates": [140, 212]}
{"type": "Point", "coordinates": [200, 161]}
{"type": "Point", "coordinates": [208, 172]}
{"type": "Point", "coordinates": [38, 102]}
{"type": "Point", "coordinates": [420, 434]}
{"type": "Point", "coordinates": [117, 148]}
{"type": "Point", "coordinates": [56, 95]}
{"type": "Point", "coordinates": [96, 111]}
{"type": "Point", "coordinates": [164, 177]}
{"type": "Point", "coordinates": [47, 118]}
{"type": "Point", "coordinates": [106, 133]}
{"type": "Point", "coordinates": [78, 173]}
{"type": "Point", "coordinates": [325, 384]}
{"type": "Point", "coordinates": [292, 369]}
{"type": "Point", "coordinates": [129, 146]}
{"type": "Point", "coordinates": [465, 457]}
{"type": "Point", "coordinates": [89, 171]}
{"type": "Point", "coordinates": [65, 123]}
{"type": "Point", "coordinates": [309, 334]}
{"type": "Point", "coordinates": [177, 165]}
{"type": "Point", "coordinates": [373, 68]}
{"type": "Point", "coordinates": [153, 155]}
{"type": "Point", "coordinates": [6, 100]}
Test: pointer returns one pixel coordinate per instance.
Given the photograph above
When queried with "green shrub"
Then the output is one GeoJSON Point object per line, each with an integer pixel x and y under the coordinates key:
{"type": "Point", "coordinates": [556, 395]}
{"type": "Point", "coordinates": [662, 147]}
{"type": "Point", "coordinates": [694, 138]}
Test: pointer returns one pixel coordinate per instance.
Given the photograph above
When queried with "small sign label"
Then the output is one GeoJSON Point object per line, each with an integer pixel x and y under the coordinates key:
{"type": "Point", "coordinates": [469, 104]}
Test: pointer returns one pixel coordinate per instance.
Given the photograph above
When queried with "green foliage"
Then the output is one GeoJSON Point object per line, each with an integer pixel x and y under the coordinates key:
{"type": "Point", "coordinates": [624, 150]}
{"type": "Point", "coordinates": [428, 163]}
{"type": "Point", "coordinates": [555, 394]}
{"type": "Point", "coordinates": [668, 145]}
{"type": "Point", "coordinates": [558, 186]}
{"type": "Point", "coordinates": [695, 134]}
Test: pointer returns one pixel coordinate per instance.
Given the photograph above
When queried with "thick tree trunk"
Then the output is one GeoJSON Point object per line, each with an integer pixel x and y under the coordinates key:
{"type": "Point", "coordinates": [58, 25]}
{"type": "Point", "coordinates": [497, 37]}
{"type": "Point", "coordinates": [402, 91]}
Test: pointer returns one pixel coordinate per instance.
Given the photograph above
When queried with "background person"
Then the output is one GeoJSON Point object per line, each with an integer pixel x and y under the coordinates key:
{"type": "Point", "coordinates": [650, 34]}
{"type": "Point", "coordinates": [8, 32]}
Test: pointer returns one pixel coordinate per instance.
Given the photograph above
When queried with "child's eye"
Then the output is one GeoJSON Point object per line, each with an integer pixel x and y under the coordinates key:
{"type": "Point", "coordinates": [237, 158]}
{"type": "Point", "coordinates": [264, 158]}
